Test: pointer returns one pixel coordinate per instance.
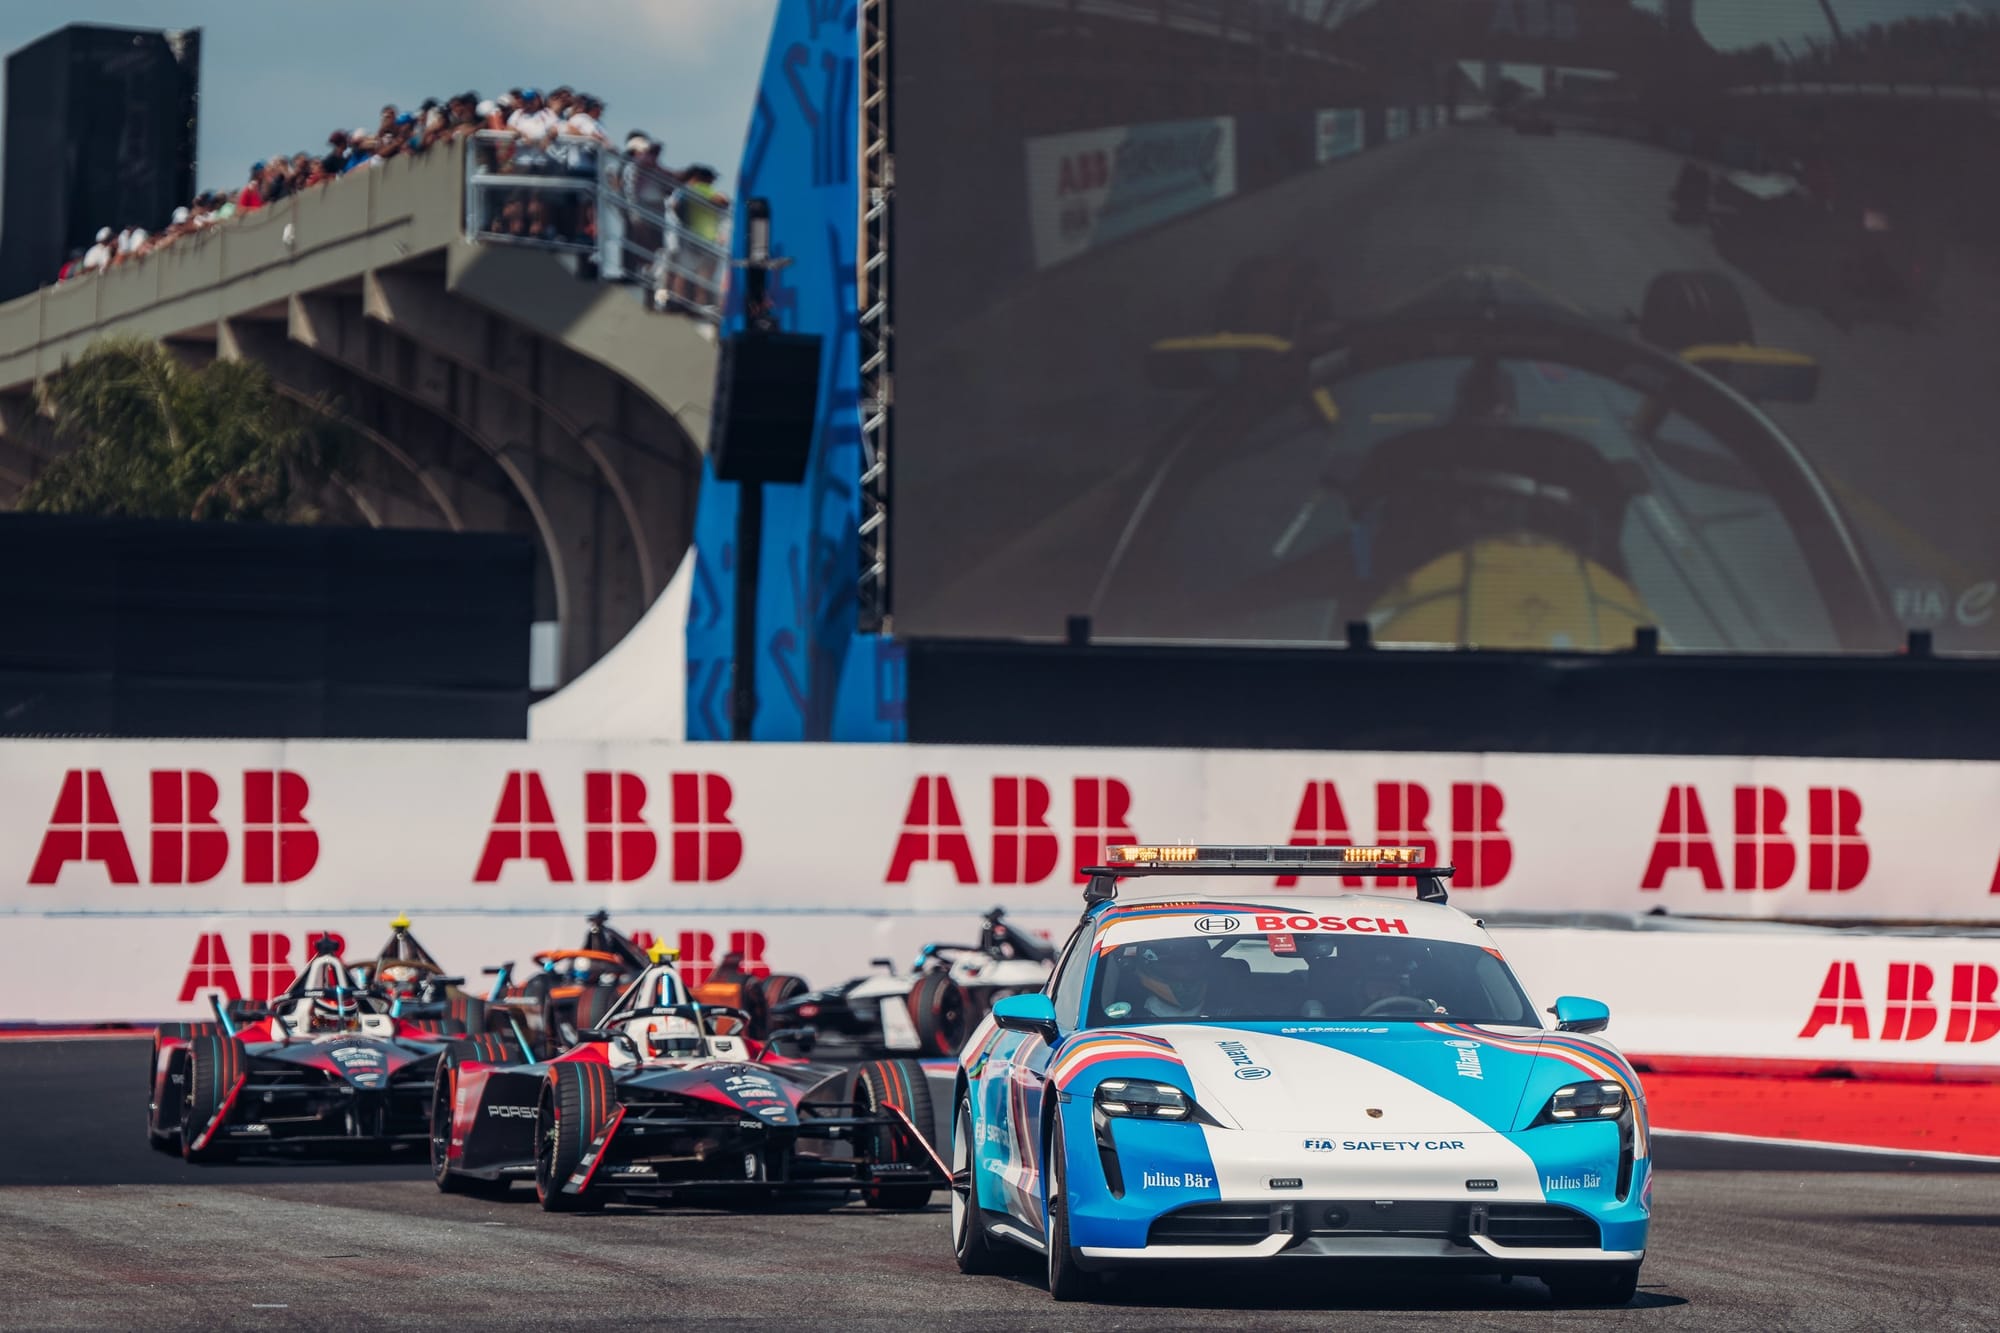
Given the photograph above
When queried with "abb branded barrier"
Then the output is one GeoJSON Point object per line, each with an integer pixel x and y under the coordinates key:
{"type": "Point", "coordinates": [114, 850]}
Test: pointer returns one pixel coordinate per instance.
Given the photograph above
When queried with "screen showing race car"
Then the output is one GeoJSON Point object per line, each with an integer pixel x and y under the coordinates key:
{"type": "Point", "coordinates": [1508, 323]}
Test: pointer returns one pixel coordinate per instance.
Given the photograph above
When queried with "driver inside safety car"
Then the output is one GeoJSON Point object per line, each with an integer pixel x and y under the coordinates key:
{"type": "Point", "coordinates": [1369, 981]}
{"type": "Point", "coordinates": [1173, 977]}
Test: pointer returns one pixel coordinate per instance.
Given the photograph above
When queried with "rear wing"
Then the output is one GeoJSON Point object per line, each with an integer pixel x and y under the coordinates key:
{"type": "Point", "coordinates": [1192, 859]}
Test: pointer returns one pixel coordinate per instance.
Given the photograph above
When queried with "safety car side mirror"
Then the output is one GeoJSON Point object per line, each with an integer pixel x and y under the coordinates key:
{"type": "Point", "coordinates": [1576, 1014]}
{"type": "Point", "coordinates": [1033, 1013]}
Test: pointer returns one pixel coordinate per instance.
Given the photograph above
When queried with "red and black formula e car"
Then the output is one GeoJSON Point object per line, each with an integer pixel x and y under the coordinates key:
{"type": "Point", "coordinates": [669, 1098]}
{"type": "Point", "coordinates": [323, 1066]}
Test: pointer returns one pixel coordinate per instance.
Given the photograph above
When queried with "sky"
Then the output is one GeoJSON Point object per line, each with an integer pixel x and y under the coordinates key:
{"type": "Point", "coordinates": [277, 75]}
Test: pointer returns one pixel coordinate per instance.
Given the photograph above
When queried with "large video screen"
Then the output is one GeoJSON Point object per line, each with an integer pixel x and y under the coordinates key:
{"type": "Point", "coordinates": [1508, 323]}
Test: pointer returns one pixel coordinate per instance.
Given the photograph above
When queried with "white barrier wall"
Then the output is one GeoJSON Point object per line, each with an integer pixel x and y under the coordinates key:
{"type": "Point", "coordinates": [513, 843]}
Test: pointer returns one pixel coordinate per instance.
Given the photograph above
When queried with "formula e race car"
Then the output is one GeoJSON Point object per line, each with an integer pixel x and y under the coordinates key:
{"type": "Point", "coordinates": [934, 1006]}
{"type": "Point", "coordinates": [571, 989]}
{"type": "Point", "coordinates": [404, 973]}
{"type": "Point", "coordinates": [325, 1065]}
{"type": "Point", "coordinates": [1228, 1073]}
{"type": "Point", "coordinates": [670, 1097]}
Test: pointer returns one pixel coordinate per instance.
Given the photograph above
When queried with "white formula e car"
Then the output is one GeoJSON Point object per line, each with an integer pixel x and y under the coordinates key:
{"type": "Point", "coordinates": [931, 1008]}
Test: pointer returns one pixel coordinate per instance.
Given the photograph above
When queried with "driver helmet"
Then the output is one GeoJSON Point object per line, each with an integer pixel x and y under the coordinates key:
{"type": "Point", "coordinates": [1381, 974]}
{"type": "Point", "coordinates": [672, 1039]}
{"type": "Point", "coordinates": [1174, 973]}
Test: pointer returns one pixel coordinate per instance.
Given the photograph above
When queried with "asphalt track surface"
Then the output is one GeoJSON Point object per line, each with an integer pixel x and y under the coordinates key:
{"type": "Point", "coordinates": [1044, 402]}
{"type": "Point", "coordinates": [99, 1232]}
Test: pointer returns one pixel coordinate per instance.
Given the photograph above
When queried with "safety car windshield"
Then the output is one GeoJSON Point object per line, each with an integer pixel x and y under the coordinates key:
{"type": "Point", "coordinates": [1281, 978]}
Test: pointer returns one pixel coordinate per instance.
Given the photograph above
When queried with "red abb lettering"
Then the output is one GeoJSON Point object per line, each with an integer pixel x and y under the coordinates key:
{"type": "Point", "coordinates": [1103, 817]}
{"type": "Point", "coordinates": [1025, 848]}
{"type": "Point", "coordinates": [189, 845]}
{"type": "Point", "coordinates": [1320, 823]}
{"type": "Point", "coordinates": [1836, 853]}
{"type": "Point", "coordinates": [1910, 1016]}
{"type": "Point", "coordinates": [707, 845]}
{"type": "Point", "coordinates": [697, 956]}
{"type": "Point", "coordinates": [279, 843]}
{"type": "Point", "coordinates": [1839, 1004]}
{"type": "Point", "coordinates": [1974, 1014]}
{"type": "Point", "coordinates": [84, 827]}
{"type": "Point", "coordinates": [1402, 819]}
{"type": "Point", "coordinates": [270, 964]}
{"type": "Point", "coordinates": [618, 845]}
{"type": "Point", "coordinates": [748, 946]}
{"type": "Point", "coordinates": [1683, 842]}
{"type": "Point", "coordinates": [524, 829]}
{"type": "Point", "coordinates": [1765, 857]}
{"type": "Point", "coordinates": [932, 831]}
{"type": "Point", "coordinates": [1480, 849]}
{"type": "Point", "coordinates": [209, 969]}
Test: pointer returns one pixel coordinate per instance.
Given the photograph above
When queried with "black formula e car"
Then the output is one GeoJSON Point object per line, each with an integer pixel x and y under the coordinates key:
{"type": "Point", "coordinates": [324, 1066]}
{"type": "Point", "coordinates": [668, 1098]}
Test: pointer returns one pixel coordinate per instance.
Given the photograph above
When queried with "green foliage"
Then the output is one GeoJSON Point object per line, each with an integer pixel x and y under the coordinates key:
{"type": "Point", "coordinates": [145, 436]}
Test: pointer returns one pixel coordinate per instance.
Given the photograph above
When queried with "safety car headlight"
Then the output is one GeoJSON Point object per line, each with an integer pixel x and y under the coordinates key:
{"type": "Point", "coordinates": [1583, 1101]}
{"type": "Point", "coordinates": [1143, 1100]}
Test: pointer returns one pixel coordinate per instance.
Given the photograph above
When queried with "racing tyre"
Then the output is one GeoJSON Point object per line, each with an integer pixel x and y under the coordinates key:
{"type": "Point", "coordinates": [901, 1084]}
{"type": "Point", "coordinates": [443, 1027]}
{"type": "Point", "coordinates": [975, 1252]}
{"type": "Point", "coordinates": [163, 1095]}
{"type": "Point", "coordinates": [1694, 309]}
{"type": "Point", "coordinates": [594, 1003]}
{"type": "Point", "coordinates": [215, 1068]}
{"type": "Point", "coordinates": [761, 997]}
{"type": "Point", "coordinates": [937, 1007]}
{"type": "Point", "coordinates": [577, 1102]}
{"type": "Point", "coordinates": [1594, 1284]}
{"type": "Point", "coordinates": [469, 1010]}
{"type": "Point", "coordinates": [487, 1049]}
{"type": "Point", "coordinates": [1067, 1281]}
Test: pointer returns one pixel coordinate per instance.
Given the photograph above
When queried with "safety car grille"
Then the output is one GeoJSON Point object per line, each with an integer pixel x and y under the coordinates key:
{"type": "Point", "coordinates": [1217, 1224]}
{"type": "Point", "coordinates": [1546, 1225]}
{"type": "Point", "coordinates": [1372, 1217]}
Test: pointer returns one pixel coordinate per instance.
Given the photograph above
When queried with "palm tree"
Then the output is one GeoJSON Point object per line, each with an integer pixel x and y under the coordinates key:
{"type": "Point", "coordinates": [142, 435]}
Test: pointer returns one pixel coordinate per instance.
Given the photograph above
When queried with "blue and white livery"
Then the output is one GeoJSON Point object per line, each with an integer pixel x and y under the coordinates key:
{"type": "Point", "coordinates": [1270, 1074]}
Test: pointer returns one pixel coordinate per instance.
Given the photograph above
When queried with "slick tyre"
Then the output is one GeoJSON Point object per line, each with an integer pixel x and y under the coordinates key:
{"type": "Point", "coordinates": [594, 1003]}
{"type": "Point", "coordinates": [975, 1251]}
{"type": "Point", "coordinates": [1594, 1284]}
{"type": "Point", "coordinates": [1067, 1281]}
{"type": "Point", "coordinates": [1693, 309]}
{"type": "Point", "coordinates": [577, 1102]}
{"type": "Point", "coordinates": [486, 1049]}
{"type": "Point", "coordinates": [469, 1010]}
{"type": "Point", "coordinates": [163, 1094]}
{"type": "Point", "coordinates": [762, 996]}
{"type": "Point", "coordinates": [938, 1008]}
{"type": "Point", "coordinates": [901, 1084]}
{"type": "Point", "coordinates": [215, 1068]}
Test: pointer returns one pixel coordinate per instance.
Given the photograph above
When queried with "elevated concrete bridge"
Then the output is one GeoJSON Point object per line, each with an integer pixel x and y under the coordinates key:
{"type": "Point", "coordinates": [493, 389]}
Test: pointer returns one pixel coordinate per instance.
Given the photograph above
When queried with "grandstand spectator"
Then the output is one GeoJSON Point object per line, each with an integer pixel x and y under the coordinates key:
{"type": "Point", "coordinates": [695, 269]}
{"type": "Point", "coordinates": [251, 198]}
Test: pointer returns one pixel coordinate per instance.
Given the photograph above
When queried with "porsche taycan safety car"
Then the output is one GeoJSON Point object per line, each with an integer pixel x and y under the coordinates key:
{"type": "Point", "coordinates": [1223, 1073]}
{"type": "Point", "coordinates": [931, 1008]}
{"type": "Point", "coordinates": [569, 990]}
{"type": "Point", "coordinates": [324, 1066]}
{"type": "Point", "coordinates": [667, 1096]}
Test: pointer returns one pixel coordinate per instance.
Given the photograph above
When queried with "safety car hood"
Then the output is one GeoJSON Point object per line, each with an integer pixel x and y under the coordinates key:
{"type": "Point", "coordinates": [1358, 1079]}
{"type": "Point", "coordinates": [365, 1062]}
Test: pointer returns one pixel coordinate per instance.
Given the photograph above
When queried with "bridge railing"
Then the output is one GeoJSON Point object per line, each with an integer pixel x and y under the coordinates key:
{"type": "Point", "coordinates": [635, 222]}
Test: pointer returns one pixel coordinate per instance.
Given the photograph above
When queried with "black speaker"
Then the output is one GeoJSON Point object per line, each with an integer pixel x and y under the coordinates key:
{"type": "Point", "coordinates": [766, 403]}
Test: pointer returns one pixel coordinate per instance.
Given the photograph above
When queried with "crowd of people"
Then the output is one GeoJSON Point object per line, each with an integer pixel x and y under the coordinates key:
{"type": "Point", "coordinates": [555, 133]}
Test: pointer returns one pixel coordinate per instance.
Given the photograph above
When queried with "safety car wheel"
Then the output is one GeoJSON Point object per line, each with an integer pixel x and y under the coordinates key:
{"type": "Point", "coordinates": [975, 1251]}
{"type": "Point", "coordinates": [163, 1096]}
{"type": "Point", "coordinates": [577, 1102]}
{"type": "Point", "coordinates": [1067, 1280]}
{"type": "Point", "coordinates": [1693, 309]}
{"type": "Point", "coordinates": [215, 1065]}
{"type": "Point", "coordinates": [903, 1085]}
{"type": "Point", "coordinates": [1594, 1284]}
{"type": "Point", "coordinates": [938, 1008]}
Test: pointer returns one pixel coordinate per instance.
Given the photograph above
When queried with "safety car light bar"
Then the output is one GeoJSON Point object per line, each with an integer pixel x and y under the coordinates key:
{"type": "Point", "coordinates": [1262, 859]}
